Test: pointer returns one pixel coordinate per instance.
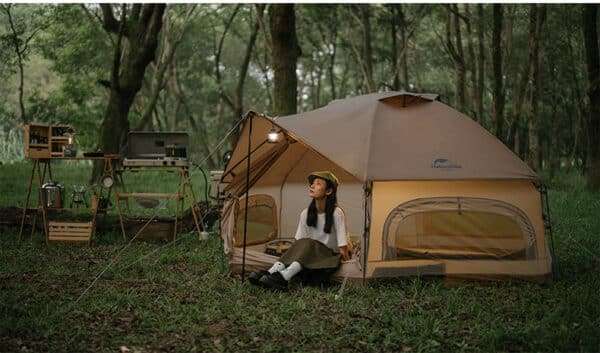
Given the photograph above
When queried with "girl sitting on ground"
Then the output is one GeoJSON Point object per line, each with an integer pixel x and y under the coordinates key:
{"type": "Point", "coordinates": [320, 238]}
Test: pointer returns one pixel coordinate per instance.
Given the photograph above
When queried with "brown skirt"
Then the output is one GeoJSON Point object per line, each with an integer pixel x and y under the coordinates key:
{"type": "Point", "coordinates": [311, 254]}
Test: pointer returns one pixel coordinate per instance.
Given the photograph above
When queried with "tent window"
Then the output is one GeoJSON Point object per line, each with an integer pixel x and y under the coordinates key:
{"type": "Point", "coordinates": [262, 221]}
{"type": "Point", "coordinates": [458, 228]}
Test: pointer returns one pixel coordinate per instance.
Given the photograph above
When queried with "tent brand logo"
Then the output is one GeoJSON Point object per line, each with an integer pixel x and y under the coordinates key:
{"type": "Point", "coordinates": [442, 163]}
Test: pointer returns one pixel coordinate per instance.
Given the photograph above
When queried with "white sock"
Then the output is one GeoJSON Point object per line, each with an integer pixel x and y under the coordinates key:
{"type": "Point", "coordinates": [278, 266]}
{"type": "Point", "coordinates": [291, 271]}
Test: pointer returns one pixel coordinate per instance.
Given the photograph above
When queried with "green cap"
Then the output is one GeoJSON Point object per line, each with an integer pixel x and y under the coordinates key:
{"type": "Point", "coordinates": [326, 175]}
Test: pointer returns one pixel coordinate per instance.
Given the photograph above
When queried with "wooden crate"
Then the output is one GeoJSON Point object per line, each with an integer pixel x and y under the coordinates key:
{"type": "Point", "coordinates": [70, 231]}
{"type": "Point", "coordinates": [33, 147]}
{"type": "Point", "coordinates": [153, 230]}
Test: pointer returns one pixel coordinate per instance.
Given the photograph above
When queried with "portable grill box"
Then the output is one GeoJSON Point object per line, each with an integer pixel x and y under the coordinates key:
{"type": "Point", "coordinates": [152, 145]}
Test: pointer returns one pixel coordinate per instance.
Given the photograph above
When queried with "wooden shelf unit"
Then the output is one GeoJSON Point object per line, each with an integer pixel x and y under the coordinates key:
{"type": "Point", "coordinates": [45, 141]}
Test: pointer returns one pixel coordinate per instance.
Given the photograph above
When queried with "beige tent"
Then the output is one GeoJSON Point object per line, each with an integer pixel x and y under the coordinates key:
{"type": "Point", "coordinates": [425, 190]}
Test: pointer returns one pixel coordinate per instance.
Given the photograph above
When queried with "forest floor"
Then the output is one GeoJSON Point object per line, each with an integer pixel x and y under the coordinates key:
{"type": "Point", "coordinates": [180, 297]}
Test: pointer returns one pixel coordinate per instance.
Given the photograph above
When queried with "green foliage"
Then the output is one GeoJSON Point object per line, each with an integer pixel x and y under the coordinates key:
{"type": "Point", "coordinates": [72, 54]}
{"type": "Point", "coordinates": [11, 148]}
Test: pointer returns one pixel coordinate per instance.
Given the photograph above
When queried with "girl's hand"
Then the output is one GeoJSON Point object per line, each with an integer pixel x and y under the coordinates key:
{"type": "Point", "coordinates": [344, 252]}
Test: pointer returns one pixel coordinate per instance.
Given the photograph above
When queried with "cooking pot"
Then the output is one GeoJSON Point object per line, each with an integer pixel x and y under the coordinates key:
{"type": "Point", "coordinates": [53, 195]}
{"type": "Point", "coordinates": [175, 151]}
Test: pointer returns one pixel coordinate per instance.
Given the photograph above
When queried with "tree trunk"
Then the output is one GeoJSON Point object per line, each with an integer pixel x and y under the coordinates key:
{"type": "Point", "coordinates": [553, 156]}
{"type": "Point", "coordinates": [480, 65]}
{"type": "Point", "coordinates": [404, 52]}
{"type": "Point", "coordinates": [577, 98]}
{"type": "Point", "coordinates": [141, 30]}
{"type": "Point", "coordinates": [394, 49]}
{"type": "Point", "coordinates": [332, 53]}
{"type": "Point", "coordinates": [472, 63]}
{"type": "Point", "coordinates": [590, 35]}
{"type": "Point", "coordinates": [218, 51]}
{"type": "Point", "coordinates": [456, 53]}
{"type": "Point", "coordinates": [365, 15]}
{"type": "Point", "coordinates": [285, 56]}
{"type": "Point", "coordinates": [19, 51]}
{"type": "Point", "coordinates": [497, 83]}
{"type": "Point", "coordinates": [331, 66]}
{"type": "Point", "coordinates": [536, 20]}
{"type": "Point", "coordinates": [513, 134]}
{"type": "Point", "coordinates": [417, 61]}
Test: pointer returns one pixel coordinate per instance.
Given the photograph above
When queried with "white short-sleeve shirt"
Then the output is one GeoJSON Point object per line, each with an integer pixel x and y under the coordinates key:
{"type": "Point", "coordinates": [333, 240]}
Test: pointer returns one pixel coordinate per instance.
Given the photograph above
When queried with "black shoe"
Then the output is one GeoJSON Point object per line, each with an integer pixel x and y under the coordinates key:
{"type": "Point", "coordinates": [275, 281]}
{"type": "Point", "coordinates": [255, 277]}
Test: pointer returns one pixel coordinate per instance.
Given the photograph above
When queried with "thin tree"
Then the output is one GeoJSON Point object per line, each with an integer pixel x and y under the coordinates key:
{"type": "Point", "coordinates": [455, 48]}
{"type": "Point", "coordinates": [365, 15]}
{"type": "Point", "coordinates": [536, 20]}
{"type": "Point", "coordinates": [497, 83]}
{"type": "Point", "coordinates": [20, 41]}
{"type": "Point", "coordinates": [480, 64]}
{"type": "Point", "coordinates": [285, 53]}
{"type": "Point", "coordinates": [592, 55]}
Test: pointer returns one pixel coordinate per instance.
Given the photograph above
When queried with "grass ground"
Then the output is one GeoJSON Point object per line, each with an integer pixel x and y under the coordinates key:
{"type": "Point", "coordinates": [182, 299]}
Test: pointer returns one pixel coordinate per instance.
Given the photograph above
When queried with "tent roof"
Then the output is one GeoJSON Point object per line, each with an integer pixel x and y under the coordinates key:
{"type": "Point", "coordinates": [404, 136]}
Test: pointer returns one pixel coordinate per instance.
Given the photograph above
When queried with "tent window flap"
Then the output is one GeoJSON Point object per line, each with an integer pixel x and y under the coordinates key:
{"type": "Point", "coordinates": [262, 221]}
{"type": "Point", "coordinates": [458, 228]}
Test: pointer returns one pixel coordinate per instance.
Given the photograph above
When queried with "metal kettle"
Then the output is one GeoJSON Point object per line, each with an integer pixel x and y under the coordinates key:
{"type": "Point", "coordinates": [53, 194]}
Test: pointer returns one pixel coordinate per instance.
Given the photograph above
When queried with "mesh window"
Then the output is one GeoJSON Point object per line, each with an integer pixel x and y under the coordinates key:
{"type": "Point", "coordinates": [262, 221]}
{"type": "Point", "coordinates": [458, 228]}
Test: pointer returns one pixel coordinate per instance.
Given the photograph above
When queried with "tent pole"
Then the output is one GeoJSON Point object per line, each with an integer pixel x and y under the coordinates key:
{"type": "Point", "coordinates": [367, 225]}
{"type": "Point", "coordinates": [249, 116]}
{"type": "Point", "coordinates": [548, 225]}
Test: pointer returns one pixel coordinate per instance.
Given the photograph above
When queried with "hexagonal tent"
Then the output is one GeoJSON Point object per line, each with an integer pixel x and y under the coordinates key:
{"type": "Point", "coordinates": [425, 190]}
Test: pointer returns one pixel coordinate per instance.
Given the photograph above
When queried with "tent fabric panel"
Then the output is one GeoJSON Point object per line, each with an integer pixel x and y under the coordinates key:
{"type": "Point", "coordinates": [342, 136]}
{"type": "Point", "coordinates": [228, 216]}
{"type": "Point", "coordinates": [261, 125]}
{"type": "Point", "coordinates": [260, 164]}
{"type": "Point", "coordinates": [432, 141]}
{"type": "Point", "coordinates": [375, 138]}
{"type": "Point", "coordinates": [519, 193]}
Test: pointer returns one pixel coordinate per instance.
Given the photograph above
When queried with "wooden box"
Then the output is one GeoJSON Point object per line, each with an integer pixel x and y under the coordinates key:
{"type": "Point", "coordinates": [70, 231]}
{"type": "Point", "coordinates": [37, 142]}
{"type": "Point", "coordinates": [45, 141]}
{"type": "Point", "coordinates": [153, 230]}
